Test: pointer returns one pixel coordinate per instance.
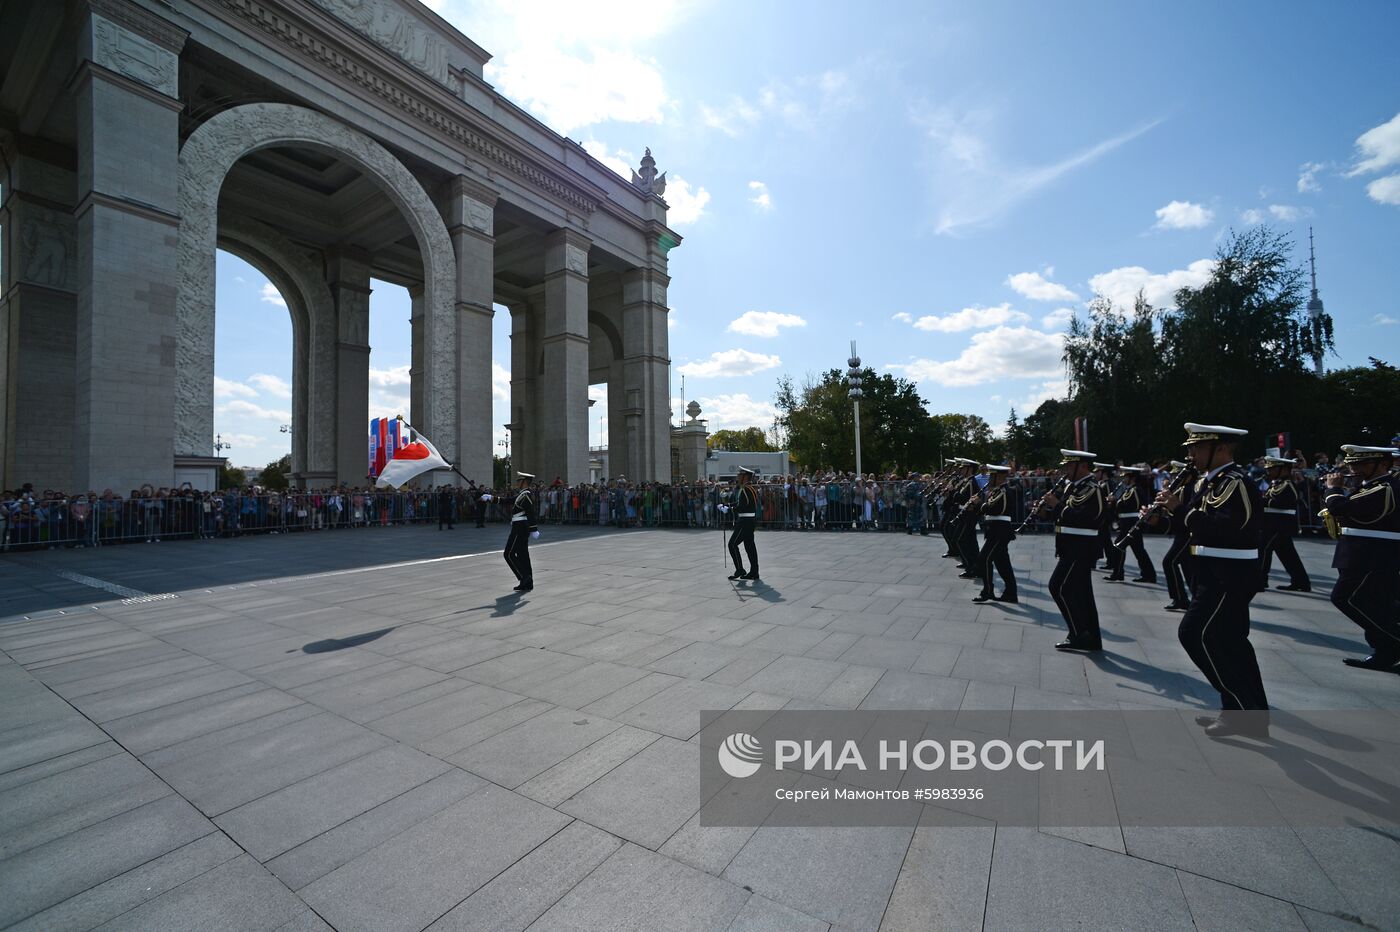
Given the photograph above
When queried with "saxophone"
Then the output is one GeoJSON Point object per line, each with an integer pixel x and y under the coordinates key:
{"type": "Point", "coordinates": [1334, 528]}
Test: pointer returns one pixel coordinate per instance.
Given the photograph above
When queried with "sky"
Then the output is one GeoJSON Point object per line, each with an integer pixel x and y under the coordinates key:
{"type": "Point", "coordinates": [945, 183]}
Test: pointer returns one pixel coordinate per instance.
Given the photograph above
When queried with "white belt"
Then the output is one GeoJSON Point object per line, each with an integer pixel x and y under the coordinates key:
{"type": "Point", "coordinates": [1281, 511]}
{"type": "Point", "coordinates": [1077, 531]}
{"type": "Point", "coordinates": [748, 514]}
{"type": "Point", "coordinates": [996, 517]}
{"type": "Point", "coordinates": [1367, 532]}
{"type": "Point", "coordinates": [1225, 553]}
{"type": "Point", "coordinates": [520, 517]}
{"type": "Point", "coordinates": [1128, 514]}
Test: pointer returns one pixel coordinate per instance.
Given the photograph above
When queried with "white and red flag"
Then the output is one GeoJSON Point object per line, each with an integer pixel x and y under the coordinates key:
{"type": "Point", "coordinates": [413, 459]}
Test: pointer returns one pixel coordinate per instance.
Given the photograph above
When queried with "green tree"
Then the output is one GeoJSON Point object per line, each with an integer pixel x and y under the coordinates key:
{"type": "Point", "coordinates": [749, 439]}
{"type": "Point", "coordinates": [274, 474]}
{"type": "Point", "coordinates": [231, 477]}
{"type": "Point", "coordinates": [1114, 372]}
{"type": "Point", "coordinates": [817, 423]}
{"type": "Point", "coordinates": [1018, 448]}
{"type": "Point", "coordinates": [966, 435]}
{"type": "Point", "coordinates": [1047, 429]}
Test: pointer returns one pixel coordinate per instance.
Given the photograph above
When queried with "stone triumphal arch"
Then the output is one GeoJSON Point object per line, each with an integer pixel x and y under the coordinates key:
{"type": "Point", "coordinates": [325, 142]}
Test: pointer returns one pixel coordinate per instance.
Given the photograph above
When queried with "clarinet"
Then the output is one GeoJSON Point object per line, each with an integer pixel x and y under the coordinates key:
{"type": "Point", "coordinates": [1058, 490]}
{"type": "Point", "coordinates": [1180, 481]}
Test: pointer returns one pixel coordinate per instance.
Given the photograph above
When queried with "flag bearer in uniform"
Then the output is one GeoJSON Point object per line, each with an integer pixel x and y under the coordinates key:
{"type": "Point", "coordinates": [1368, 551]}
{"type": "Point", "coordinates": [1222, 518]}
{"type": "Point", "coordinates": [745, 505]}
{"type": "Point", "coordinates": [523, 529]}
{"type": "Point", "coordinates": [995, 509]}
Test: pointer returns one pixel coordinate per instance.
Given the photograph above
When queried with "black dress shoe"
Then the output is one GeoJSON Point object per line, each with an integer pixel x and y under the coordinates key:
{"type": "Point", "coordinates": [984, 597]}
{"type": "Point", "coordinates": [1113, 578]}
{"type": "Point", "coordinates": [1007, 597]}
{"type": "Point", "coordinates": [1176, 607]}
{"type": "Point", "coordinates": [751, 577]}
{"type": "Point", "coordinates": [1242, 724]}
{"type": "Point", "coordinates": [968, 576]}
{"type": "Point", "coordinates": [525, 587]}
{"type": "Point", "coordinates": [1291, 587]}
{"type": "Point", "coordinates": [1079, 644]}
{"type": "Point", "coordinates": [738, 574]}
{"type": "Point", "coordinates": [1373, 663]}
{"type": "Point", "coordinates": [1146, 579]}
{"type": "Point", "coordinates": [946, 555]}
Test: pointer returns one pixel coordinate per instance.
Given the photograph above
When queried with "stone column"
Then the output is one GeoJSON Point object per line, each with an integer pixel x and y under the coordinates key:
{"type": "Point", "coordinates": [38, 307]}
{"type": "Point", "coordinates": [471, 224]}
{"type": "Point", "coordinates": [347, 274]}
{"type": "Point", "coordinates": [563, 384]}
{"type": "Point", "coordinates": [524, 351]}
{"type": "Point", "coordinates": [126, 92]}
{"type": "Point", "coordinates": [646, 370]}
{"type": "Point", "coordinates": [416, 385]}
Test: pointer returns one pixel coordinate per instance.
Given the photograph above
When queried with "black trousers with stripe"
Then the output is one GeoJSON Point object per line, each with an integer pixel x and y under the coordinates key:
{"type": "Point", "coordinates": [743, 534]}
{"type": "Point", "coordinates": [1072, 587]}
{"type": "Point", "coordinates": [995, 556]}
{"type": "Point", "coordinates": [517, 552]}
{"type": "Point", "coordinates": [1368, 597]}
{"type": "Point", "coordinates": [1215, 631]}
{"type": "Point", "coordinates": [1281, 542]}
{"type": "Point", "coordinates": [1176, 566]}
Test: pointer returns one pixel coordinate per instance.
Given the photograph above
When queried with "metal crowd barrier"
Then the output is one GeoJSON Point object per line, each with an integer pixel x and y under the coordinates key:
{"type": "Point", "coordinates": [839, 505]}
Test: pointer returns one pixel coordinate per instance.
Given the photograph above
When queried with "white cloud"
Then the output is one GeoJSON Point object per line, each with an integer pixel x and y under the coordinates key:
{"type": "Point", "coordinates": [1121, 285]}
{"type": "Point", "coordinates": [1054, 388]}
{"type": "Point", "coordinates": [271, 384]}
{"type": "Point", "coordinates": [764, 323]}
{"type": "Point", "coordinates": [1183, 215]}
{"type": "Point", "coordinates": [1385, 190]}
{"type": "Point", "coordinates": [1006, 352]}
{"type": "Point", "coordinates": [500, 383]}
{"type": "Point", "coordinates": [1384, 320]}
{"type": "Point", "coordinates": [383, 378]}
{"type": "Point", "coordinates": [1377, 148]}
{"type": "Point", "coordinates": [734, 412]}
{"type": "Point", "coordinates": [735, 362]}
{"type": "Point", "coordinates": [271, 295]}
{"type": "Point", "coordinates": [1307, 177]}
{"type": "Point", "coordinates": [228, 388]}
{"type": "Point", "coordinates": [1037, 287]}
{"type": "Point", "coordinates": [616, 159]}
{"type": "Point", "coordinates": [685, 205]}
{"type": "Point", "coordinates": [248, 409]}
{"type": "Point", "coordinates": [970, 318]}
{"type": "Point", "coordinates": [804, 103]}
{"type": "Point", "coordinates": [1252, 216]}
{"type": "Point", "coordinates": [1286, 213]}
{"type": "Point", "coordinates": [1058, 318]}
{"type": "Point", "coordinates": [972, 185]}
{"type": "Point", "coordinates": [761, 198]}
{"type": "Point", "coordinates": [903, 318]}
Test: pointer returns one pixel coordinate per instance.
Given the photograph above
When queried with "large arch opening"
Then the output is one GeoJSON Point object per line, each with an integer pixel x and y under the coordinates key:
{"type": "Point", "coordinates": [326, 214]}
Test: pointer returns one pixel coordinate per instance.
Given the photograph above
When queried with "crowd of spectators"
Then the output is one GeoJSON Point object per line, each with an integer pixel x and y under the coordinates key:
{"type": "Point", "coordinates": [832, 501]}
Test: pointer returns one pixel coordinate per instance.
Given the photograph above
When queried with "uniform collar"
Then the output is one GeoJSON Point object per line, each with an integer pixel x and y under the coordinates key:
{"type": "Point", "coordinates": [1218, 470]}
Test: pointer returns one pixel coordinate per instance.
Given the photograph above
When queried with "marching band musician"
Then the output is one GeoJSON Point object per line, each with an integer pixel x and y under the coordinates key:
{"type": "Point", "coordinates": [1176, 564]}
{"type": "Point", "coordinates": [1280, 523]}
{"type": "Point", "coordinates": [523, 529]}
{"type": "Point", "coordinates": [1222, 518]}
{"type": "Point", "coordinates": [1079, 517]}
{"type": "Point", "coordinates": [1106, 474]}
{"type": "Point", "coordinates": [1368, 551]}
{"type": "Point", "coordinates": [1133, 495]}
{"type": "Point", "coordinates": [995, 509]}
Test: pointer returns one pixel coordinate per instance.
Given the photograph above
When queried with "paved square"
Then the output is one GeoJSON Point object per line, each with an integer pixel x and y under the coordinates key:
{"type": "Point", "coordinates": [368, 731]}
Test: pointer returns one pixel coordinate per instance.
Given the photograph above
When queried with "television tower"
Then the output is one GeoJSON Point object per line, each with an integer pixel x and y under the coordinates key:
{"type": "Point", "coordinates": [1315, 307]}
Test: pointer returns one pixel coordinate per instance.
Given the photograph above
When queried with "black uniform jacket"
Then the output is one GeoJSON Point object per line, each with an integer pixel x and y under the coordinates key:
{"type": "Point", "coordinates": [1280, 507]}
{"type": "Point", "coordinates": [996, 505]}
{"type": "Point", "coordinates": [524, 505]}
{"type": "Point", "coordinates": [1079, 517]}
{"type": "Point", "coordinates": [1370, 520]}
{"type": "Point", "coordinates": [1223, 520]}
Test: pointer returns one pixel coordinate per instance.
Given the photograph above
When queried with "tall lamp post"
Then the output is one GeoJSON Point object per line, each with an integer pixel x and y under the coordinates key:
{"type": "Point", "coordinates": [853, 384]}
{"type": "Point", "coordinates": [506, 443]}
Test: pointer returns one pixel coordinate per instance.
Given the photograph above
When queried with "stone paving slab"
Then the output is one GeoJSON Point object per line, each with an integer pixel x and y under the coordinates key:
{"type": "Point", "coordinates": [418, 747]}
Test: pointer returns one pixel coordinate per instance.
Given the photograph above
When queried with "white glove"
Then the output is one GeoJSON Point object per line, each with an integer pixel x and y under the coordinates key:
{"type": "Point", "coordinates": [724, 509]}
{"type": "Point", "coordinates": [534, 535]}
{"type": "Point", "coordinates": [486, 498]}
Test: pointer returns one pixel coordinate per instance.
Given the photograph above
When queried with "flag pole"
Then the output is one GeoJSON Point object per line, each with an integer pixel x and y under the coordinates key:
{"type": "Point", "coordinates": [452, 466]}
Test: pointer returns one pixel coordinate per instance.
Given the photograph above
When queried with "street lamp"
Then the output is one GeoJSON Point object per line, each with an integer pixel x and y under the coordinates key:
{"type": "Point", "coordinates": [220, 446]}
{"type": "Point", "coordinates": [506, 443]}
{"type": "Point", "coordinates": [853, 384]}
